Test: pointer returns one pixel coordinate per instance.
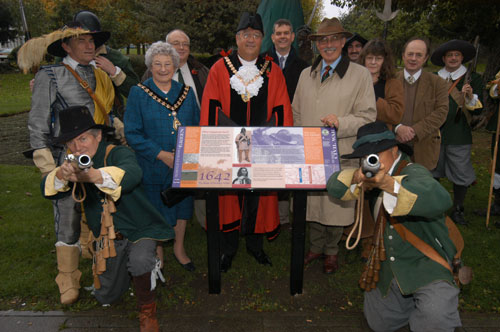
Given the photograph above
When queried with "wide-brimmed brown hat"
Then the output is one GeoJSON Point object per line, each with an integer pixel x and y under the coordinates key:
{"type": "Point", "coordinates": [330, 26]}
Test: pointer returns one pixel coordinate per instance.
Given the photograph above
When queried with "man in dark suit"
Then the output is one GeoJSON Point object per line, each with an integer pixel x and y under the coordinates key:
{"type": "Point", "coordinates": [426, 105]}
{"type": "Point", "coordinates": [285, 55]}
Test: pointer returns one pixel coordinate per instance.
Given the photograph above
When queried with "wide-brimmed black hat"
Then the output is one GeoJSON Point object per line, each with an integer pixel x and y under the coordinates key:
{"type": "Point", "coordinates": [375, 137]}
{"type": "Point", "coordinates": [354, 37]}
{"type": "Point", "coordinates": [74, 29]}
{"type": "Point", "coordinates": [74, 121]}
{"type": "Point", "coordinates": [253, 21]}
{"type": "Point", "coordinates": [467, 49]}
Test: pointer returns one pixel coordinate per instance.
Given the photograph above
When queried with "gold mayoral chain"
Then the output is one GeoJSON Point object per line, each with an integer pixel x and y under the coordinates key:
{"type": "Point", "coordinates": [173, 108]}
{"type": "Point", "coordinates": [246, 96]}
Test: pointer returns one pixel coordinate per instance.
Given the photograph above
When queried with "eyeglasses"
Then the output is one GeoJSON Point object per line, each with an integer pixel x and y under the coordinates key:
{"type": "Point", "coordinates": [325, 40]}
{"type": "Point", "coordinates": [247, 35]}
{"type": "Point", "coordinates": [177, 44]}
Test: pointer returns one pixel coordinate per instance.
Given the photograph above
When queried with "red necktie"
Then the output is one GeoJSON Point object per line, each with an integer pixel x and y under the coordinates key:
{"type": "Point", "coordinates": [326, 73]}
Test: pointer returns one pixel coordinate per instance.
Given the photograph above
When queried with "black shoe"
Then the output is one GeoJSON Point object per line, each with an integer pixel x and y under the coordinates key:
{"type": "Point", "coordinates": [458, 216]}
{"type": "Point", "coordinates": [225, 262]}
{"type": "Point", "coordinates": [188, 266]}
{"type": "Point", "coordinates": [261, 257]}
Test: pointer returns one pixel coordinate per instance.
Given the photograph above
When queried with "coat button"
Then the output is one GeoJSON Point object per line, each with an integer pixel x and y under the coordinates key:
{"type": "Point", "coordinates": [390, 237]}
{"type": "Point", "coordinates": [392, 259]}
{"type": "Point", "coordinates": [391, 227]}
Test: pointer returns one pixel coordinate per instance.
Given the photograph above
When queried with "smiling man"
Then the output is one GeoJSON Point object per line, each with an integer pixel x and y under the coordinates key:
{"type": "Point", "coordinates": [249, 90]}
{"type": "Point", "coordinates": [353, 47]}
{"type": "Point", "coordinates": [338, 93]}
{"type": "Point", "coordinates": [426, 105]}
{"type": "Point", "coordinates": [57, 87]}
{"type": "Point", "coordinates": [465, 100]}
{"type": "Point", "coordinates": [135, 225]}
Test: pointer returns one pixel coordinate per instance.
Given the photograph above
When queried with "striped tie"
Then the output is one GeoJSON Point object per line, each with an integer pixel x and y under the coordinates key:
{"type": "Point", "coordinates": [326, 73]}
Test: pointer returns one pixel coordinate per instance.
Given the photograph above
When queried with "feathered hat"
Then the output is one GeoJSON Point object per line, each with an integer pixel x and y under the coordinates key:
{"type": "Point", "coordinates": [32, 53]}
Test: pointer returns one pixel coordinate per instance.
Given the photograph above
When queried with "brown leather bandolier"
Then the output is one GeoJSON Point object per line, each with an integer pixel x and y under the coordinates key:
{"type": "Point", "coordinates": [85, 85]}
{"type": "Point", "coordinates": [103, 247]}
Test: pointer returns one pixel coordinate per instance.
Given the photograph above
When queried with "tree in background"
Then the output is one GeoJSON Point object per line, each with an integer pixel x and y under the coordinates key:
{"type": "Point", "coordinates": [439, 21]}
{"type": "Point", "coordinates": [8, 28]}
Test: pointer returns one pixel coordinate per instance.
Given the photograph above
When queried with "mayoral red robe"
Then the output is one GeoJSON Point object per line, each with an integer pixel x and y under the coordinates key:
{"type": "Point", "coordinates": [248, 212]}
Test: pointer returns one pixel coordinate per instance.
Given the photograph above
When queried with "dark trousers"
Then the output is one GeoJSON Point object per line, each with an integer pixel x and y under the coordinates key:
{"type": "Point", "coordinates": [230, 241]}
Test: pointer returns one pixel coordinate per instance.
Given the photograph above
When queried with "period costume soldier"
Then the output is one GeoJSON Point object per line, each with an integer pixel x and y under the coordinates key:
{"type": "Point", "coordinates": [409, 286]}
{"type": "Point", "coordinates": [123, 222]}
{"type": "Point", "coordinates": [75, 81]}
{"type": "Point", "coordinates": [456, 134]}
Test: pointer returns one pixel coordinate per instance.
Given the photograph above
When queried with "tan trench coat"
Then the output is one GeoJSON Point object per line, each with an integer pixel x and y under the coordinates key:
{"type": "Point", "coordinates": [348, 94]}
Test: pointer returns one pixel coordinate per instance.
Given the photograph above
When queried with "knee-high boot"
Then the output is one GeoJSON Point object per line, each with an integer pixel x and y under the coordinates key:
{"type": "Point", "coordinates": [68, 278]}
{"type": "Point", "coordinates": [147, 304]}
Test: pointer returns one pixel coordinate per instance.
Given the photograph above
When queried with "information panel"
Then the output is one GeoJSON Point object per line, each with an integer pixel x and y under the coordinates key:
{"type": "Point", "coordinates": [255, 157]}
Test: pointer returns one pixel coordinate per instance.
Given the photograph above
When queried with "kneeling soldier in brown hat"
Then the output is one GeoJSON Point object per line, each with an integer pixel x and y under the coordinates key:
{"type": "Point", "coordinates": [124, 224]}
{"type": "Point", "coordinates": [403, 285]}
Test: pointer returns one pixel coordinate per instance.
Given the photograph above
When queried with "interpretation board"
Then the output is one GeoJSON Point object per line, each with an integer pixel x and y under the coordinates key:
{"type": "Point", "coordinates": [255, 157]}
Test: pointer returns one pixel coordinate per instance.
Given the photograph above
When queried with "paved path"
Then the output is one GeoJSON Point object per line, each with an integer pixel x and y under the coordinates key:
{"type": "Point", "coordinates": [110, 320]}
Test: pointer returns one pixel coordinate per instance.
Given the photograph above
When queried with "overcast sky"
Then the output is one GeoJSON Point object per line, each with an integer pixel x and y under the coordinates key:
{"type": "Point", "coordinates": [332, 11]}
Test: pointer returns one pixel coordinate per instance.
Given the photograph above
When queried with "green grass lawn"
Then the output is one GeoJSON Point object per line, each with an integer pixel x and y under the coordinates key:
{"type": "Point", "coordinates": [15, 94]}
{"type": "Point", "coordinates": [28, 265]}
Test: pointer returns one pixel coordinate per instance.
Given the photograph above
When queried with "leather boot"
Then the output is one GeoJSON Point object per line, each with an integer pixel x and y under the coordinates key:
{"type": "Point", "coordinates": [68, 278]}
{"type": "Point", "coordinates": [458, 215]}
{"type": "Point", "coordinates": [146, 301]}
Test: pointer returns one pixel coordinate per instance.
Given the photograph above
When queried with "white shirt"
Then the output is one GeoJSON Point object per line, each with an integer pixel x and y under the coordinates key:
{"type": "Point", "coordinates": [416, 76]}
{"type": "Point", "coordinates": [446, 75]}
{"type": "Point", "coordinates": [188, 80]}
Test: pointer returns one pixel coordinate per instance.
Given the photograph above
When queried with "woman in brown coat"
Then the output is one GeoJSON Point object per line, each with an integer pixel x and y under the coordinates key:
{"type": "Point", "coordinates": [377, 57]}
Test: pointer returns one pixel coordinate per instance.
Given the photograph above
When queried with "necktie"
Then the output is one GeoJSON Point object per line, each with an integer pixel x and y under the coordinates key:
{"type": "Point", "coordinates": [411, 79]}
{"type": "Point", "coordinates": [180, 79]}
{"type": "Point", "coordinates": [282, 62]}
{"type": "Point", "coordinates": [326, 73]}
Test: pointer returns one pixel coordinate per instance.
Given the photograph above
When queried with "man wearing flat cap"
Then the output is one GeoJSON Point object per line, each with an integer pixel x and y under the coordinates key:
{"type": "Point", "coordinates": [353, 47]}
{"type": "Point", "coordinates": [410, 287]}
{"type": "Point", "coordinates": [57, 87]}
{"type": "Point", "coordinates": [338, 93]}
{"type": "Point", "coordinates": [124, 224]}
{"type": "Point", "coordinates": [456, 135]}
{"type": "Point", "coordinates": [245, 89]}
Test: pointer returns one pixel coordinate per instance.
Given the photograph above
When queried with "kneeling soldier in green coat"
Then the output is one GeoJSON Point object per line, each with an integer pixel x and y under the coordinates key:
{"type": "Point", "coordinates": [402, 284]}
{"type": "Point", "coordinates": [125, 226]}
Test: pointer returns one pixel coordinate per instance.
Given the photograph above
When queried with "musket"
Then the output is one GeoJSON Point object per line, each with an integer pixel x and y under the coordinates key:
{"type": "Point", "coordinates": [470, 69]}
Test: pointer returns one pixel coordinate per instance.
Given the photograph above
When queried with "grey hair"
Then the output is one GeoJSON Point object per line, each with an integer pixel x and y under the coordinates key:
{"type": "Point", "coordinates": [177, 30]}
{"type": "Point", "coordinates": [161, 48]}
{"type": "Point", "coordinates": [94, 132]}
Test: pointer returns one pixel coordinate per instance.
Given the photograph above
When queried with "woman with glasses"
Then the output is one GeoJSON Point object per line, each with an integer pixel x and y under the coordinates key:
{"type": "Point", "coordinates": [155, 110]}
{"type": "Point", "coordinates": [377, 57]}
